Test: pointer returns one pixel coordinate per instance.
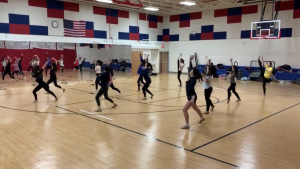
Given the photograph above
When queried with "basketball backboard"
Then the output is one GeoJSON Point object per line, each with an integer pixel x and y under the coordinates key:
{"type": "Point", "coordinates": [265, 30]}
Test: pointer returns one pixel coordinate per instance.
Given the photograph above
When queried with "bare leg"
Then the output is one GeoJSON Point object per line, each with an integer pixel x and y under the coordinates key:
{"type": "Point", "coordinates": [194, 106]}
{"type": "Point", "coordinates": [186, 115]}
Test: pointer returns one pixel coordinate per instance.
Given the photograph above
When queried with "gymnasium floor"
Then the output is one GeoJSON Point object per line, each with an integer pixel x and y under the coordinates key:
{"type": "Point", "coordinates": [259, 132]}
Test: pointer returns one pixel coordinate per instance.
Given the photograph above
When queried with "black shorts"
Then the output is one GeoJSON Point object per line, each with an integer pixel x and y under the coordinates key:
{"type": "Point", "coordinates": [76, 67]}
{"type": "Point", "coordinates": [98, 74]}
{"type": "Point", "coordinates": [192, 98]}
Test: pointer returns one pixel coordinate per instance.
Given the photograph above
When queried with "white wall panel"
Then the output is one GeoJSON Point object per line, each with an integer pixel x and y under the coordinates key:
{"type": "Point", "coordinates": [4, 13]}
{"type": "Point", "coordinates": [38, 16]}
{"type": "Point", "coordinates": [18, 7]}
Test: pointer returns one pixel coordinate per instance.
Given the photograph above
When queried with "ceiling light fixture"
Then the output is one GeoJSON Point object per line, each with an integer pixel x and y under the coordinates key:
{"type": "Point", "coordinates": [151, 8]}
{"type": "Point", "coordinates": [188, 3]}
{"type": "Point", "coordinates": [105, 1]}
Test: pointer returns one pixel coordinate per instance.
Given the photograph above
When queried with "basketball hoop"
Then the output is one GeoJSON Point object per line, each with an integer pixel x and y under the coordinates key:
{"type": "Point", "coordinates": [262, 38]}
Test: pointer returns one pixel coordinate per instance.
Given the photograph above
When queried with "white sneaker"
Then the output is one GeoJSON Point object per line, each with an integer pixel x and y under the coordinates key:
{"type": "Point", "coordinates": [24, 77]}
{"type": "Point", "coordinates": [145, 98]}
{"type": "Point", "coordinates": [119, 94]}
{"type": "Point", "coordinates": [95, 91]}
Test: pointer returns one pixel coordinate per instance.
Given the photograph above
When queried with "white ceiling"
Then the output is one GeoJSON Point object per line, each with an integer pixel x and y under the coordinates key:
{"type": "Point", "coordinates": [168, 7]}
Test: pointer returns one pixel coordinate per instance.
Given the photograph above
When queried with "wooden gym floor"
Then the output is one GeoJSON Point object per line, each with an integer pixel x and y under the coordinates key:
{"type": "Point", "coordinates": [259, 132]}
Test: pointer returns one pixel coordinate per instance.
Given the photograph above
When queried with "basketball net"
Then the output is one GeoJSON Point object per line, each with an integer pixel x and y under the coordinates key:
{"type": "Point", "coordinates": [262, 39]}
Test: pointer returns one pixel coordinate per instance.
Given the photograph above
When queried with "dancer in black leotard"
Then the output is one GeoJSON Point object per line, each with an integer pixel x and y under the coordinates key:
{"type": "Point", "coordinates": [139, 72]}
{"type": "Point", "coordinates": [145, 75]}
{"type": "Point", "coordinates": [20, 66]}
{"type": "Point", "coordinates": [232, 75]}
{"type": "Point", "coordinates": [192, 97]}
{"type": "Point", "coordinates": [38, 75]}
{"type": "Point", "coordinates": [180, 66]}
{"type": "Point", "coordinates": [7, 68]}
{"type": "Point", "coordinates": [103, 79]}
{"type": "Point", "coordinates": [211, 71]}
{"type": "Point", "coordinates": [81, 64]}
{"type": "Point", "coordinates": [53, 75]}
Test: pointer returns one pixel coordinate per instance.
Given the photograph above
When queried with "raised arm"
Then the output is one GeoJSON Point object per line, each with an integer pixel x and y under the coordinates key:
{"type": "Point", "coordinates": [141, 57]}
{"type": "Point", "coordinates": [262, 60]}
{"type": "Point", "coordinates": [55, 60]}
{"type": "Point", "coordinates": [232, 68]}
{"type": "Point", "coordinates": [45, 63]}
{"type": "Point", "coordinates": [37, 57]}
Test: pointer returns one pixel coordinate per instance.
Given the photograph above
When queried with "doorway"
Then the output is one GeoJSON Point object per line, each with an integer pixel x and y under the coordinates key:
{"type": "Point", "coordinates": [135, 62]}
{"type": "Point", "coordinates": [163, 64]}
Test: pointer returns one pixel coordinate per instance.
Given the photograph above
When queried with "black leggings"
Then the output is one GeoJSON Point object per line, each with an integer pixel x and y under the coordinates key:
{"type": "Point", "coordinates": [104, 91]}
{"type": "Point", "coordinates": [3, 69]}
{"type": "Point", "coordinates": [114, 88]}
{"type": "Point", "coordinates": [140, 79]}
{"type": "Point", "coordinates": [261, 69]}
{"type": "Point", "coordinates": [16, 72]}
{"type": "Point", "coordinates": [265, 81]}
{"type": "Point", "coordinates": [54, 81]}
{"type": "Point", "coordinates": [30, 67]}
{"type": "Point", "coordinates": [39, 87]}
{"type": "Point", "coordinates": [96, 81]}
{"type": "Point", "coordinates": [48, 67]}
{"type": "Point", "coordinates": [207, 93]}
{"type": "Point", "coordinates": [145, 88]}
{"type": "Point", "coordinates": [178, 76]}
{"type": "Point", "coordinates": [9, 73]}
{"type": "Point", "coordinates": [80, 68]}
{"type": "Point", "coordinates": [20, 71]}
{"type": "Point", "coordinates": [232, 88]}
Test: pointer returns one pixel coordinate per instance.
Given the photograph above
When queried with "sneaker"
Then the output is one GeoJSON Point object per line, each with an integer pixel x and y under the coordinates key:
{"type": "Point", "coordinates": [185, 127]}
{"type": "Point", "coordinates": [95, 91]}
{"type": "Point", "coordinates": [228, 101]}
{"type": "Point", "coordinates": [238, 100]}
{"type": "Point", "coordinates": [212, 108]}
{"type": "Point", "coordinates": [145, 98]}
{"type": "Point", "coordinates": [115, 105]}
{"type": "Point", "coordinates": [202, 119]}
{"type": "Point", "coordinates": [152, 96]}
{"type": "Point", "coordinates": [64, 90]}
{"type": "Point", "coordinates": [24, 77]}
{"type": "Point", "coordinates": [180, 85]}
{"type": "Point", "coordinates": [207, 112]}
{"type": "Point", "coordinates": [119, 94]}
{"type": "Point", "coordinates": [35, 101]}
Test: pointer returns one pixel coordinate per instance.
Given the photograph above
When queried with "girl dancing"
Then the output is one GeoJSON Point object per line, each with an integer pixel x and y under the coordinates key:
{"type": "Point", "coordinates": [98, 72]}
{"type": "Point", "coordinates": [3, 61]}
{"type": "Point", "coordinates": [145, 74]}
{"type": "Point", "coordinates": [232, 75]}
{"type": "Point", "coordinates": [53, 77]}
{"type": "Point", "coordinates": [208, 87]}
{"type": "Point", "coordinates": [103, 79]}
{"type": "Point", "coordinates": [31, 64]}
{"type": "Point", "coordinates": [110, 84]}
{"type": "Point", "coordinates": [139, 72]}
{"type": "Point", "coordinates": [180, 65]}
{"type": "Point", "coordinates": [7, 68]}
{"type": "Point", "coordinates": [81, 64]}
{"type": "Point", "coordinates": [38, 75]}
{"type": "Point", "coordinates": [267, 74]}
{"type": "Point", "coordinates": [192, 96]}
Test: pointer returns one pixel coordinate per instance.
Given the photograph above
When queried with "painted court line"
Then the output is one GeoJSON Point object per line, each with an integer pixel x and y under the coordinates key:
{"type": "Point", "coordinates": [150, 137]}
{"type": "Point", "coordinates": [96, 115]}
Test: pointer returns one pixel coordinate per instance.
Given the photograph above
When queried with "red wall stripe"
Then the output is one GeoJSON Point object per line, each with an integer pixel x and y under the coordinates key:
{"type": "Point", "coordinates": [249, 9]}
{"type": "Point", "coordinates": [142, 16]}
{"type": "Point", "coordinates": [68, 6]}
{"type": "Point", "coordinates": [196, 15]}
{"type": "Point", "coordinates": [174, 18]}
{"type": "Point", "coordinates": [220, 12]}
{"type": "Point", "coordinates": [99, 10]}
{"type": "Point", "coordinates": [19, 29]}
{"type": "Point", "coordinates": [285, 5]}
{"type": "Point", "coordinates": [234, 19]}
{"type": "Point", "coordinates": [123, 14]}
{"type": "Point", "coordinates": [36, 3]}
{"type": "Point", "coordinates": [55, 13]}
{"type": "Point", "coordinates": [184, 24]}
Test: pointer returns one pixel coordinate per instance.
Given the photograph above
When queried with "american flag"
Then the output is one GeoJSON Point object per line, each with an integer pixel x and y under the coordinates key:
{"type": "Point", "coordinates": [74, 28]}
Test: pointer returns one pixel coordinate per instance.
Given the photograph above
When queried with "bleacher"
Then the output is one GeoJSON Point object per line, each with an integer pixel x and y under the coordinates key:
{"type": "Point", "coordinates": [287, 76]}
{"type": "Point", "coordinates": [246, 73]}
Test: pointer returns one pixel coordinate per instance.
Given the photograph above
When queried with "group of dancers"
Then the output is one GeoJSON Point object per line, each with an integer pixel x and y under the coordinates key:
{"type": "Point", "coordinates": [195, 75]}
{"type": "Point", "coordinates": [105, 79]}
